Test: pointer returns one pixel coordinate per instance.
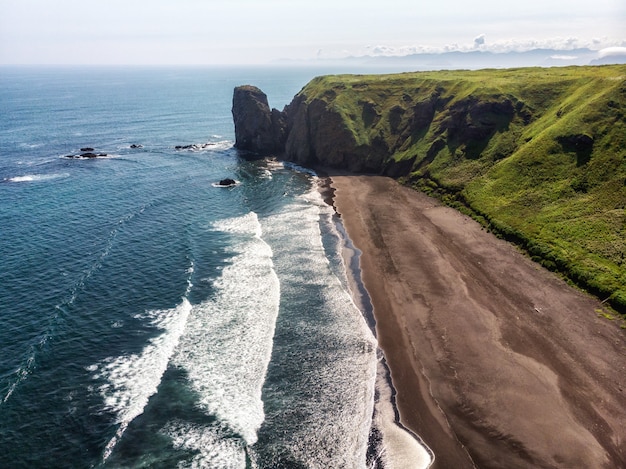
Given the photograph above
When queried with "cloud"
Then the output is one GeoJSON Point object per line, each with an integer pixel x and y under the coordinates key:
{"type": "Point", "coordinates": [479, 41]}
{"type": "Point", "coordinates": [610, 46]}
{"type": "Point", "coordinates": [563, 57]}
{"type": "Point", "coordinates": [384, 50]}
{"type": "Point", "coordinates": [611, 51]}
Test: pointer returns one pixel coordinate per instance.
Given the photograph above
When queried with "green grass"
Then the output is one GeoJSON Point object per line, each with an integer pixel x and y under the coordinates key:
{"type": "Point", "coordinates": [524, 173]}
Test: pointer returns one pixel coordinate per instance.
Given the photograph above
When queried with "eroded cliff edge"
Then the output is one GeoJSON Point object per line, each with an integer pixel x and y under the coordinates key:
{"type": "Point", "coordinates": [537, 155]}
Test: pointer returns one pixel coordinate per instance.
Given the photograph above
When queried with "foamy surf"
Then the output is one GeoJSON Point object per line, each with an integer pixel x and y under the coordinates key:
{"type": "Point", "coordinates": [212, 447]}
{"type": "Point", "coordinates": [227, 346]}
{"type": "Point", "coordinates": [131, 380]}
{"type": "Point", "coordinates": [400, 448]}
{"type": "Point", "coordinates": [397, 447]}
{"type": "Point", "coordinates": [208, 146]}
{"type": "Point", "coordinates": [326, 349]}
{"type": "Point", "coordinates": [37, 177]}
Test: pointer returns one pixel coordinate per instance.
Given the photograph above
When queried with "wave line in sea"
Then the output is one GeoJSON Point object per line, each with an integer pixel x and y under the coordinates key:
{"type": "Point", "coordinates": [130, 380]}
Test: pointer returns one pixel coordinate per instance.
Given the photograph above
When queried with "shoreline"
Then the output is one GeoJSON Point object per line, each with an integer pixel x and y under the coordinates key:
{"type": "Point", "coordinates": [391, 443]}
{"type": "Point", "coordinates": [496, 362]}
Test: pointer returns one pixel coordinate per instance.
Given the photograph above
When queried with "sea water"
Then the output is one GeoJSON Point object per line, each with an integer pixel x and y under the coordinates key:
{"type": "Point", "coordinates": [151, 319]}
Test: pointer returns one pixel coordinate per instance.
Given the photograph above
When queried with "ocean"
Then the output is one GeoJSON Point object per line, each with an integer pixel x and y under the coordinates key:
{"type": "Point", "coordinates": [150, 318]}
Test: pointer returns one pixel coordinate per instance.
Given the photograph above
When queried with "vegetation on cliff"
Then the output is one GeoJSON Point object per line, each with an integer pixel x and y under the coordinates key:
{"type": "Point", "coordinates": [538, 155]}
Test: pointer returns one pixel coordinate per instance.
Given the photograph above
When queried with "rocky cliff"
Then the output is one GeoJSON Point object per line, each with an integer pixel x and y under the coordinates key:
{"type": "Point", "coordinates": [538, 155]}
{"type": "Point", "coordinates": [257, 128]}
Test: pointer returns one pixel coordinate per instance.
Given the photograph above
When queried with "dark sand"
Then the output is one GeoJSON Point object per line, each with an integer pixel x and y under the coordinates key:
{"type": "Point", "coordinates": [497, 362]}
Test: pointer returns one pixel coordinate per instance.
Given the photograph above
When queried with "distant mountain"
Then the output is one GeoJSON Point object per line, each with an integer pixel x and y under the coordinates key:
{"type": "Point", "coordinates": [610, 59]}
{"type": "Point", "coordinates": [477, 59]}
{"type": "Point", "coordinates": [485, 59]}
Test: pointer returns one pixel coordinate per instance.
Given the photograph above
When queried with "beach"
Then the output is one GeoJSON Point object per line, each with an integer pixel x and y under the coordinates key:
{"type": "Point", "coordinates": [496, 361]}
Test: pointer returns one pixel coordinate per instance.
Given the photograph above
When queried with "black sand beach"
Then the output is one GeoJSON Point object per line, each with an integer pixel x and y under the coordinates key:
{"type": "Point", "coordinates": [496, 361]}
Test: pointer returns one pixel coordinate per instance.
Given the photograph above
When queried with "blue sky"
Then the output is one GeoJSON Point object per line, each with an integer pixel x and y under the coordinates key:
{"type": "Point", "coordinates": [249, 32]}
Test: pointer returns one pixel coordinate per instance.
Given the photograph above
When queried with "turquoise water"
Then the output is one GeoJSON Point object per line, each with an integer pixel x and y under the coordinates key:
{"type": "Point", "coordinates": [150, 319]}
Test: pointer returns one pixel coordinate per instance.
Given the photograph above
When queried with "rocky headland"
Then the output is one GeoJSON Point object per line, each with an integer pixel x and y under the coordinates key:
{"type": "Point", "coordinates": [496, 361]}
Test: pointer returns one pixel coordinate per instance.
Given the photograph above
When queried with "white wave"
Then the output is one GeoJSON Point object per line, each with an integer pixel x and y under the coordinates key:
{"type": "Point", "coordinates": [37, 177]}
{"type": "Point", "coordinates": [340, 389]}
{"type": "Point", "coordinates": [222, 145]}
{"type": "Point", "coordinates": [30, 146]}
{"type": "Point", "coordinates": [228, 340]}
{"type": "Point", "coordinates": [299, 169]}
{"type": "Point", "coordinates": [274, 164]}
{"type": "Point", "coordinates": [21, 375]}
{"type": "Point", "coordinates": [212, 449]}
{"type": "Point", "coordinates": [132, 379]}
{"type": "Point", "coordinates": [314, 197]}
{"type": "Point", "coordinates": [107, 156]}
{"type": "Point", "coordinates": [400, 447]}
{"type": "Point", "coordinates": [208, 146]}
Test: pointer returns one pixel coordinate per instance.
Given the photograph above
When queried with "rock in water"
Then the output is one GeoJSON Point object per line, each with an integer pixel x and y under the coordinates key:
{"type": "Point", "coordinates": [257, 128]}
{"type": "Point", "coordinates": [227, 182]}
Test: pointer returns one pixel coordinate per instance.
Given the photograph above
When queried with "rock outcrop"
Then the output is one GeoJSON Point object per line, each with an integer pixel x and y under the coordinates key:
{"type": "Point", "coordinates": [319, 135]}
{"type": "Point", "coordinates": [87, 154]}
{"type": "Point", "coordinates": [315, 129]}
{"type": "Point", "coordinates": [257, 128]}
{"type": "Point", "coordinates": [227, 182]}
{"type": "Point", "coordinates": [401, 124]}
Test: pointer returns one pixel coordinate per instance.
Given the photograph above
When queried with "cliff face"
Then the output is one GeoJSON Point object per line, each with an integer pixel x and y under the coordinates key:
{"type": "Point", "coordinates": [397, 124]}
{"type": "Point", "coordinates": [538, 155]}
{"type": "Point", "coordinates": [319, 135]}
{"type": "Point", "coordinates": [257, 128]}
{"type": "Point", "coordinates": [364, 124]}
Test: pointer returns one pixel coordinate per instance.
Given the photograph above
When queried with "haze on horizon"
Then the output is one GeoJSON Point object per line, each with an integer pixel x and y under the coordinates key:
{"type": "Point", "coordinates": [206, 32]}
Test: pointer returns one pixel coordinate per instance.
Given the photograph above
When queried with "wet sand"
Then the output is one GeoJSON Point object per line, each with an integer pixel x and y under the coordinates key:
{"type": "Point", "coordinates": [497, 363]}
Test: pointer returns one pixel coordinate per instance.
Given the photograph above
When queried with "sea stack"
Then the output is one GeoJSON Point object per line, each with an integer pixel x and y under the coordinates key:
{"type": "Point", "coordinates": [257, 128]}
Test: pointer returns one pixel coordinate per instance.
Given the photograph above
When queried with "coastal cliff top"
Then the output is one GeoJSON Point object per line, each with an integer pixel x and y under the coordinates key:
{"type": "Point", "coordinates": [497, 80]}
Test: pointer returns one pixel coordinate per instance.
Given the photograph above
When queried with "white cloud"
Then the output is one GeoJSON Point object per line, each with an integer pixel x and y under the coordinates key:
{"type": "Point", "coordinates": [610, 46]}
{"type": "Point", "coordinates": [611, 51]}
{"type": "Point", "coordinates": [563, 57]}
{"type": "Point", "coordinates": [249, 31]}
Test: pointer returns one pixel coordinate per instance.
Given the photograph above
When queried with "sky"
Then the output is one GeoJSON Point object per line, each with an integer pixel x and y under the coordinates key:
{"type": "Point", "coordinates": [199, 32]}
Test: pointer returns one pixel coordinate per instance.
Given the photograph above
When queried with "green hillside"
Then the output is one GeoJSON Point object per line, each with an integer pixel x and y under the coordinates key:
{"type": "Point", "coordinates": [538, 154]}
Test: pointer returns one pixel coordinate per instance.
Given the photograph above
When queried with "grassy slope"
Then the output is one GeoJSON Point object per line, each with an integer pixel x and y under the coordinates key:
{"type": "Point", "coordinates": [527, 179]}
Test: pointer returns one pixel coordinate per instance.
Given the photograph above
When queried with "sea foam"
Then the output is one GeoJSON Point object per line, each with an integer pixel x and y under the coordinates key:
{"type": "Point", "coordinates": [130, 380]}
{"type": "Point", "coordinates": [211, 446]}
{"type": "Point", "coordinates": [326, 348]}
{"type": "Point", "coordinates": [37, 177]}
{"type": "Point", "coordinates": [228, 341]}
